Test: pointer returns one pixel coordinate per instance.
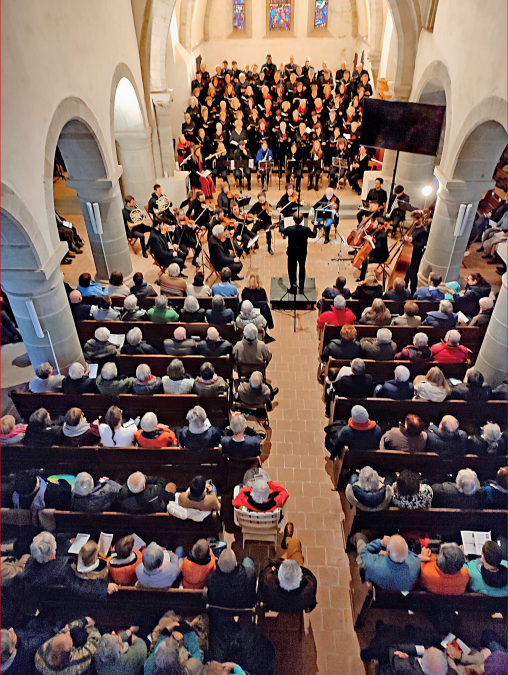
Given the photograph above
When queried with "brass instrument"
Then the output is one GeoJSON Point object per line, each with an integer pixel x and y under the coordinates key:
{"type": "Point", "coordinates": [216, 154]}
{"type": "Point", "coordinates": [137, 216]}
{"type": "Point", "coordinates": [162, 205]}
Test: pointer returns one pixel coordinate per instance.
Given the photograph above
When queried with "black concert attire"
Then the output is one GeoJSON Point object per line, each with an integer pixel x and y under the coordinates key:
{"type": "Point", "coordinates": [199, 213]}
{"type": "Point", "coordinates": [286, 207]}
{"type": "Point", "coordinates": [337, 173]}
{"type": "Point", "coordinates": [356, 173]}
{"type": "Point", "coordinates": [237, 173]}
{"type": "Point", "coordinates": [158, 245]}
{"type": "Point", "coordinates": [373, 195]}
{"type": "Point", "coordinates": [220, 257]}
{"type": "Point", "coordinates": [263, 223]}
{"type": "Point", "coordinates": [242, 232]}
{"type": "Point", "coordinates": [298, 236]}
{"type": "Point", "coordinates": [165, 216]}
{"type": "Point", "coordinates": [379, 253]}
{"type": "Point", "coordinates": [138, 231]}
{"type": "Point", "coordinates": [224, 202]}
{"type": "Point", "coordinates": [315, 171]}
{"type": "Point", "coordinates": [295, 170]}
{"type": "Point", "coordinates": [185, 237]}
{"type": "Point", "coordinates": [419, 241]}
{"type": "Point", "coordinates": [398, 215]}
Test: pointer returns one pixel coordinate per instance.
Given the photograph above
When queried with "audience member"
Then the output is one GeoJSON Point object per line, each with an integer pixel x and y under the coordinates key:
{"type": "Point", "coordinates": [177, 381]}
{"type": "Point", "coordinates": [90, 498]}
{"type": "Point", "coordinates": [399, 291]}
{"type": "Point", "coordinates": [201, 495]}
{"type": "Point", "coordinates": [240, 440]}
{"type": "Point", "coordinates": [224, 287]}
{"type": "Point", "coordinates": [368, 289]}
{"type": "Point", "coordinates": [410, 493]}
{"type": "Point", "coordinates": [219, 314]}
{"type": "Point", "coordinates": [388, 562]}
{"type": "Point", "coordinates": [32, 492]}
{"type": "Point", "coordinates": [160, 312]}
{"type": "Point", "coordinates": [141, 289]}
{"type": "Point", "coordinates": [198, 288]}
{"type": "Point", "coordinates": [145, 382]}
{"type": "Point", "coordinates": [357, 385]}
{"type": "Point", "coordinates": [232, 585]}
{"type": "Point", "coordinates": [464, 493]}
{"type": "Point", "coordinates": [376, 315]}
{"type": "Point", "coordinates": [450, 350]}
{"type": "Point", "coordinates": [89, 288]}
{"type": "Point", "coordinates": [213, 345]}
{"type": "Point", "coordinates": [263, 496]}
{"type": "Point", "coordinates": [418, 351]}
{"type": "Point", "coordinates": [78, 381]}
{"type": "Point", "coordinates": [346, 348]}
{"type": "Point", "coordinates": [20, 646]}
{"type": "Point", "coordinates": [482, 319]}
{"type": "Point", "coordinates": [71, 650]}
{"type": "Point", "coordinates": [360, 434]}
{"type": "Point", "coordinates": [113, 432]}
{"type": "Point", "coordinates": [192, 313]}
{"type": "Point", "coordinates": [131, 310]}
{"type": "Point", "coordinates": [157, 571]}
{"type": "Point", "coordinates": [12, 433]}
{"type": "Point", "coordinates": [494, 492]}
{"type": "Point", "coordinates": [200, 434]}
{"type": "Point", "coordinates": [152, 434]}
{"type": "Point", "coordinates": [433, 386]}
{"type": "Point", "coordinates": [250, 315]}
{"type": "Point", "coordinates": [104, 311]}
{"type": "Point", "coordinates": [197, 565]}
{"type": "Point", "coordinates": [400, 389]}
{"type": "Point", "coordinates": [339, 288]}
{"type": "Point", "coordinates": [286, 586]}
{"type": "Point", "coordinates": [172, 283]}
{"type": "Point", "coordinates": [447, 440]}
{"type": "Point", "coordinates": [446, 573]}
{"type": "Point", "coordinates": [41, 432]}
{"type": "Point", "coordinates": [110, 382]}
{"type": "Point", "coordinates": [44, 381]}
{"type": "Point", "coordinates": [117, 288]}
{"type": "Point", "coordinates": [80, 311]}
{"type": "Point", "coordinates": [250, 354]}
{"type": "Point", "coordinates": [134, 344]}
{"type": "Point", "coordinates": [77, 431]}
{"type": "Point", "coordinates": [476, 287]}
{"type": "Point", "coordinates": [338, 315]}
{"type": "Point", "coordinates": [89, 565]}
{"type": "Point", "coordinates": [179, 345]}
{"type": "Point", "coordinates": [123, 562]}
{"type": "Point", "coordinates": [488, 574]}
{"type": "Point", "coordinates": [430, 292]}
{"type": "Point", "coordinates": [99, 347]}
{"type": "Point", "coordinates": [145, 494]}
{"type": "Point", "coordinates": [491, 441]}
{"type": "Point", "coordinates": [208, 383]}
{"type": "Point", "coordinates": [408, 437]}
{"type": "Point", "coordinates": [444, 317]}
{"type": "Point", "coordinates": [368, 491]}
{"type": "Point", "coordinates": [472, 388]}
{"type": "Point", "coordinates": [255, 392]}
{"type": "Point", "coordinates": [410, 317]}
{"type": "Point", "coordinates": [380, 348]}
{"type": "Point", "coordinates": [121, 653]}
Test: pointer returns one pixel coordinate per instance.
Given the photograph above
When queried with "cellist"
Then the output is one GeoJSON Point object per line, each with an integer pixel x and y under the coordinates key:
{"type": "Point", "coordinates": [356, 237]}
{"type": "Point", "coordinates": [418, 237]}
{"type": "Point", "coordinates": [379, 253]}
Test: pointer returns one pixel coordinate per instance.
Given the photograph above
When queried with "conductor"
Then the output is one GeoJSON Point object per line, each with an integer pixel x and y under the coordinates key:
{"type": "Point", "coordinates": [298, 236]}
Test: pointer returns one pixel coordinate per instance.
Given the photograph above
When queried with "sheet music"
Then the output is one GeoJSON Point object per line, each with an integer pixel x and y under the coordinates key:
{"type": "Point", "coordinates": [79, 542]}
{"type": "Point", "coordinates": [138, 542]}
{"type": "Point", "coordinates": [117, 339]}
{"type": "Point", "coordinates": [473, 541]}
{"type": "Point", "coordinates": [105, 543]}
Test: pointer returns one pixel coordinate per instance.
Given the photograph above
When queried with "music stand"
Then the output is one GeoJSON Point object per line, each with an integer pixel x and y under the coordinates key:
{"type": "Point", "coordinates": [339, 163]}
{"type": "Point", "coordinates": [242, 164]}
{"type": "Point", "coordinates": [323, 214]}
{"type": "Point", "coordinates": [266, 166]}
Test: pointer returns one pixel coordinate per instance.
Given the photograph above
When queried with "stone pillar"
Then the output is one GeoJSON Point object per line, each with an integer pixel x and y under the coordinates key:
{"type": "Point", "coordinates": [491, 361]}
{"type": "Point", "coordinates": [136, 159]}
{"type": "Point", "coordinates": [110, 250]}
{"type": "Point", "coordinates": [45, 289]}
{"type": "Point", "coordinates": [444, 252]}
{"type": "Point", "coordinates": [162, 105]}
{"type": "Point", "coordinates": [375, 60]}
{"type": "Point", "coordinates": [415, 172]}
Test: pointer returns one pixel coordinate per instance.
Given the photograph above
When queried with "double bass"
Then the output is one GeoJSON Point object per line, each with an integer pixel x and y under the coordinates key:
{"type": "Point", "coordinates": [403, 255]}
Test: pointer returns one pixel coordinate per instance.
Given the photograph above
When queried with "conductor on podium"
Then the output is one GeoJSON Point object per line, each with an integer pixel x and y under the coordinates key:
{"type": "Point", "coordinates": [298, 236]}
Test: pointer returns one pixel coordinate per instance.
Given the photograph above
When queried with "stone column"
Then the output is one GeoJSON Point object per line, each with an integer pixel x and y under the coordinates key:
{"type": "Point", "coordinates": [444, 252]}
{"type": "Point", "coordinates": [110, 250]}
{"type": "Point", "coordinates": [162, 105]}
{"type": "Point", "coordinates": [415, 172]}
{"type": "Point", "coordinates": [491, 361]}
{"type": "Point", "coordinates": [136, 158]}
{"type": "Point", "coordinates": [45, 289]}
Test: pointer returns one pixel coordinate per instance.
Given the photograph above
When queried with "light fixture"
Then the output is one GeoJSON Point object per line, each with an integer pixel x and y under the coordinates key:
{"type": "Point", "coordinates": [426, 191]}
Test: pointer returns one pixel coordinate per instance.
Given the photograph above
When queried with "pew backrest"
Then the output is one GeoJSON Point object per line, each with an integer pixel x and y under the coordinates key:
{"type": "Point", "coordinates": [394, 519]}
{"type": "Point", "coordinates": [382, 371]}
{"type": "Point", "coordinates": [174, 301]}
{"type": "Point", "coordinates": [159, 363]}
{"type": "Point", "coordinates": [396, 307]}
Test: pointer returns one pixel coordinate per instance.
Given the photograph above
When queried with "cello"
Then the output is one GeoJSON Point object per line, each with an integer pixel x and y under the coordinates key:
{"type": "Point", "coordinates": [403, 254]}
{"type": "Point", "coordinates": [368, 246]}
{"type": "Point", "coordinates": [356, 237]}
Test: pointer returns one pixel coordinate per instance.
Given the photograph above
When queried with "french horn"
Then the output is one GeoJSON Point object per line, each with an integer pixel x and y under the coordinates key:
{"type": "Point", "coordinates": [162, 204]}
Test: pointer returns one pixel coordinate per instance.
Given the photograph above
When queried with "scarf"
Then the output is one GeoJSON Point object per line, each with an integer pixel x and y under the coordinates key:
{"type": "Point", "coordinates": [212, 381]}
{"type": "Point", "coordinates": [363, 426]}
{"type": "Point", "coordinates": [115, 561]}
{"type": "Point", "coordinates": [494, 579]}
{"type": "Point", "coordinates": [18, 429]}
{"type": "Point", "coordinates": [83, 569]}
{"type": "Point", "coordinates": [78, 430]}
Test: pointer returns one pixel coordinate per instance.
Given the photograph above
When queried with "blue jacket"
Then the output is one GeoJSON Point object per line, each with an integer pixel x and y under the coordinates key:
{"type": "Point", "coordinates": [399, 391]}
{"type": "Point", "coordinates": [440, 320]}
{"type": "Point", "coordinates": [94, 289]}
{"type": "Point", "coordinates": [386, 574]}
{"type": "Point", "coordinates": [226, 289]}
{"type": "Point", "coordinates": [427, 293]}
{"type": "Point", "coordinates": [260, 156]}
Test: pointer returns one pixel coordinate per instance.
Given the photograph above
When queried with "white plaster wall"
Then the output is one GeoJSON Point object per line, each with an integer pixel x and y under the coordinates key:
{"type": "Point", "coordinates": [389, 50]}
{"type": "Point", "coordinates": [138, 12]}
{"type": "Point", "coordinates": [50, 51]}
{"type": "Point", "coordinates": [180, 69]}
{"type": "Point", "coordinates": [198, 23]}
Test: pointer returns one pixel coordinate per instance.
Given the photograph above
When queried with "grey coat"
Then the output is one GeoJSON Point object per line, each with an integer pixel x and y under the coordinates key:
{"type": "Point", "coordinates": [100, 499]}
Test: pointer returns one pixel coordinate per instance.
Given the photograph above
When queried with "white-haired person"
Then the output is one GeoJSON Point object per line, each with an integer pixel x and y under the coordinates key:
{"type": "Point", "coordinates": [208, 383]}
{"type": "Point", "coordinates": [152, 434]}
{"type": "Point", "coordinates": [240, 440]}
{"type": "Point", "coordinates": [77, 431]}
{"type": "Point", "coordinates": [379, 348]}
{"type": "Point", "coordinates": [262, 497]}
{"type": "Point", "coordinates": [368, 491]}
{"type": "Point", "coordinates": [160, 312]}
{"type": "Point", "coordinates": [192, 312]}
{"type": "Point", "coordinates": [399, 389]}
{"type": "Point", "coordinates": [360, 434]}
{"type": "Point", "coordinates": [69, 651]}
{"type": "Point", "coordinates": [418, 351]}
{"type": "Point", "coordinates": [482, 319]}
{"type": "Point", "coordinates": [213, 345]}
{"type": "Point", "coordinates": [134, 343]}
{"type": "Point", "coordinates": [249, 353]}
{"type": "Point", "coordinates": [175, 648]}
{"type": "Point", "coordinates": [131, 310]}
{"type": "Point", "coordinates": [145, 382]}
{"type": "Point", "coordinates": [179, 345]}
{"type": "Point", "coordinates": [155, 571]}
{"type": "Point", "coordinates": [250, 314]}
{"type": "Point", "coordinates": [145, 494]}
{"type": "Point", "coordinates": [44, 381]}
{"type": "Point", "coordinates": [89, 497]}
{"type": "Point", "coordinates": [445, 573]}
{"type": "Point", "coordinates": [450, 350]}
{"type": "Point", "coordinates": [338, 315]}
{"type": "Point", "coordinates": [287, 586]}
{"type": "Point", "coordinates": [220, 254]}
{"type": "Point", "coordinates": [463, 493]}
{"type": "Point", "coordinates": [410, 493]}
{"type": "Point", "coordinates": [447, 439]}
{"type": "Point", "coordinates": [256, 391]}
{"type": "Point", "coordinates": [199, 434]}
{"type": "Point", "coordinates": [99, 347]}
{"type": "Point", "coordinates": [201, 495]}
{"type": "Point", "coordinates": [176, 380]}
{"type": "Point", "coordinates": [491, 441]}
{"type": "Point", "coordinates": [20, 645]}
{"type": "Point", "coordinates": [78, 380]}
{"type": "Point", "coordinates": [110, 382]}
{"type": "Point", "coordinates": [122, 653]}
{"type": "Point", "coordinates": [171, 283]}
{"type": "Point", "coordinates": [388, 562]}
{"type": "Point", "coordinates": [113, 432]}
{"type": "Point", "coordinates": [444, 317]}
{"type": "Point", "coordinates": [417, 660]}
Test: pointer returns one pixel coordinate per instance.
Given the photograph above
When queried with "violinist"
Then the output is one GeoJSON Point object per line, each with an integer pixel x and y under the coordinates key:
{"type": "Point", "coordinates": [263, 212]}
{"type": "Point", "coordinates": [153, 207]}
{"type": "Point", "coordinates": [242, 233]}
{"type": "Point", "coordinates": [242, 153]}
{"type": "Point", "coordinates": [161, 246]}
{"type": "Point", "coordinates": [418, 237]}
{"type": "Point", "coordinates": [223, 199]}
{"type": "Point", "coordinates": [377, 194]}
{"type": "Point", "coordinates": [379, 253]}
{"type": "Point", "coordinates": [199, 211]}
{"type": "Point", "coordinates": [337, 173]}
{"type": "Point", "coordinates": [294, 155]}
{"type": "Point", "coordinates": [288, 203]}
{"type": "Point", "coordinates": [185, 236]}
{"type": "Point", "coordinates": [330, 204]}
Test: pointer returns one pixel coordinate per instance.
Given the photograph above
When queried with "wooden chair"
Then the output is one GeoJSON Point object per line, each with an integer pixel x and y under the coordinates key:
{"type": "Point", "coordinates": [258, 526]}
{"type": "Point", "coordinates": [162, 270]}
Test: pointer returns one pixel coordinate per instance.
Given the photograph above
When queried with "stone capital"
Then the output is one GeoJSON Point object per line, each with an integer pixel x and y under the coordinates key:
{"type": "Point", "coordinates": [401, 92]}
{"type": "Point", "coordinates": [98, 190]}
{"type": "Point", "coordinates": [460, 191]}
{"type": "Point", "coordinates": [162, 100]}
{"type": "Point", "coordinates": [134, 140]}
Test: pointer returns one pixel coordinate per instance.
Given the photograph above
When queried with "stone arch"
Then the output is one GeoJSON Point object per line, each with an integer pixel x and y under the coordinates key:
{"type": "Point", "coordinates": [407, 28]}
{"type": "Point", "coordinates": [154, 36]}
{"type": "Point", "coordinates": [354, 18]}
{"type": "Point", "coordinates": [122, 70]}
{"type": "Point", "coordinates": [23, 247]}
{"type": "Point", "coordinates": [185, 23]}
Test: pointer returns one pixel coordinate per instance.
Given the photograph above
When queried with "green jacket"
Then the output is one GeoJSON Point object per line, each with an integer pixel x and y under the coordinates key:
{"type": "Point", "coordinates": [158, 315]}
{"type": "Point", "coordinates": [130, 663]}
{"type": "Point", "coordinates": [478, 585]}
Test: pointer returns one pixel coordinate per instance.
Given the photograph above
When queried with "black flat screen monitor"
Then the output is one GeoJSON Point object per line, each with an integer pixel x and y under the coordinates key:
{"type": "Point", "coordinates": [396, 125]}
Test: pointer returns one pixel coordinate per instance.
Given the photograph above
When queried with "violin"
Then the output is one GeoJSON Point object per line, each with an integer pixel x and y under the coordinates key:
{"type": "Point", "coordinates": [332, 204]}
{"type": "Point", "coordinates": [233, 195]}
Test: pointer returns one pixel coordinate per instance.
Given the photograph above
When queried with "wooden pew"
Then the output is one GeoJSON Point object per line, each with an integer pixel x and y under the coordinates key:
{"type": "Point", "coordinates": [382, 371]}
{"type": "Point", "coordinates": [158, 364]}
{"type": "Point", "coordinates": [174, 301]}
{"type": "Point", "coordinates": [170, 409]}
{"type": "Point", "coordinates": [397, 307]}
{"type": "Point", "coordinates": [153, 333]}
{"type": "Point", "coordinates": [386, 412]}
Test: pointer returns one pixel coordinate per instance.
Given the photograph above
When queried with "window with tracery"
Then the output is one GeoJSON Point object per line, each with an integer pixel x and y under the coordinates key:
{"type": "Point", "coordinates": [280, 15]}
{"type": "Point", "coordinates": [239, 15]}
{"type": "Point", "coordinates": [321, 14]}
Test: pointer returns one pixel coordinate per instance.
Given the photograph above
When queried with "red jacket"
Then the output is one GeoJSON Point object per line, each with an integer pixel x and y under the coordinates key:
{"type": "Point", "coordinates": [277, 499]}
{"type": "Point", "coordinates": [443, 353]}
{"type": "Point", "coordinates": [336, 317]}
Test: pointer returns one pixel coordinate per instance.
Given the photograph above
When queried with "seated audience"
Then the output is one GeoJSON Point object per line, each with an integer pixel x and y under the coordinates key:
{"type": "Point", "coordinates": [410, 493]}
{"type": "Point", "coordinates": [152, 434]}
{"type": "Point", "coordinates": [88, 564]}
{"type": "Point", "coordinates": [240, 440]}
{"type": "Point", "coordinates": [357, 385]}
{"type": "Point", "coordinates": [141, 289]}
{"type": "Point", "coordinates": [476, 287]}
{"type": "Point", "coordinates": [491, 441]}
{"type": "Point", "coordinates": [99, 347]}
{"type": "Point", "coordinates": [410, 317]}
{"type": "Point", "coordinates": [488, 574]}
{"type": "Point", "coordinates": [44, 381]}
{"type": "Point", "coordinates": [123, 562]}
{"type": "Point", "coordinates": [286, 586]}
{"type": "Point", "coordinates": [368, 491]}
{"type": "Point", "coordinates": [255, 392]}
{"type": "Point", "coordinates": [250, 314]}
{"type": "Point", "coordinates": [338, 315]}
{"type": "Point", "coordinates": [409, 437]}
{"type": "Point", "coordinates": [122, 653]}
{"type": "Point", "coordinates": [41, 432]}
{"type": "Point", "coordinates": [134, 343]}
{"type": "Point", "coordinates": [80, 311]}
{"type": "Point", "coordinates": [230, 584]}
{"type": "Point", "coordinates": [433, 386]}
{"type": "Point", "coordinates": [368, 289]}
{"type": "Point", "coordinates": [155, 571]}
{"type": "Point", "coordinates": [208, 383]}
{"type": "Point", "coordinates": [179, 345]}
{"type": "Point", "coordinates": [444, 317]}
{"type": "Point", "coordinates": [472, 388]}
{"type": "Point", "coordinates": [30, 491]}
{"type": "Point", "coordinates": [20, 646]}
{"type": "Point", "coordinates": [380, 348]}
{"type": "Point", "coordinates": [250, 354]}
{"type": "Point", "coordinates": [71, 650]}
{"type": "Point", "coordinates": [450, 350]}
{"type": "Point", "coordinates": [398, 292]}
{"type": "Point", "coordinates": [78, 431]}
{"type": "Point", "coordinates": [430, 292]}
{"type": "Point", "coordinates": [263, 496]}
{"type": "Point", "coordinates": [191, 312]}
{"type": "Point", "coordinates": [160, 312]}
{"type": "Point", "coordinates": [117, 288]}
{"type": "Point", "coordinates": [145, 494]}
{"type": "Point", "coordinates": [78, 381]}
{"type": "Point", "coordinates": [89, 288]}
{"type": "Point", "coordinates": [361, 433]}
{"type": "Point", "coordinates": [495, 491]}
{"type": "Point", "coordinates": [197, 565]}
{"type": "Point", "coordinates": [396, 662]}
{"type": "Point", "coordinates": [172, 283]}
{"type": "Point", "coordinates": [400, 389]}
{"type": "Point", "coordinates": [447, 440]}
{"type": "Point", "coordinates": [464, 493]}
{"type": "Point", "coordinates": [175, 648]}
{"type": "Point", "coordinates": [388, 562]}
{"type": "Point", "coordinates": [224, 287]}
{"type": "Point", "coordinates": [500, 393]}
{"type": "Point", "coordinates": [198, 288]}
{"type": "Point", "coordinates": [482, 319]}
{"type": "Point", "coordinates": [219, 314]}
{"type": "Point", "coordinates": [200, 495]}
{"type": "Point", "coordinates": [131, 310]}
{"type": "Point", "coordinates": [376, 315]}
{"type": "Point", "coordinates": [418, 351]}
{"type": "Point", "coordinates": [12, 433]}
{"type": "Point", "coordinates": [90, 498]}
{"type": "Point", "coordinates": [177, 381]}
{"type": "Point", "coordinates": [446, 573]}
{"type": "Point", "coordinates": [113, 432]}
{"type": "Point", "coordinates": [104, 311]}
{"type": "Point", "coordinates": [145, 382]}
{"type": "Point", "coordinates": [339, 288]}
{"type": "Point", "coordinates": [200, 434]}
{"type": "Point", "coordinates": [110, 382]}
{"type": "Point", "coordinates": [346, 348]}
{"type": "Point", "coordinates": [213, 344]}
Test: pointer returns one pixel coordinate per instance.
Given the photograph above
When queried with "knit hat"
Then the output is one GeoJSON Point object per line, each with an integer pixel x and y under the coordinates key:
{"type": "Point", "coordinates": [84, 484]}
{"type": "Point", "coordinates": [360, 419]}
{"type": "Point", "coordinates": [198, 421]}
{"type": "Point", "coordinates": [197, 489]}
{"type": "Point", "coordinates": [290, 575]}
{"type": "Point", "coordinates": [496, 664]}
{"type": "Point", "coordinates": [180, 333]}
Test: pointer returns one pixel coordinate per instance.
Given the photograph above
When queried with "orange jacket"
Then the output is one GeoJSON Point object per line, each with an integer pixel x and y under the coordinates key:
{"type": "Point", "coordinates": [194, 575]}
{"type": "Point", "coordinates": [435, 581]}
{"type": "Point", "coordinates": [164, 440]}
{"type": "Point", "coordinates": [124, 576]}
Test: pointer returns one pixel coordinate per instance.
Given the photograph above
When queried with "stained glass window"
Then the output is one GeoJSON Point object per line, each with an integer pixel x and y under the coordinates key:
{"type": "Point", "coordinates": [280, 15]}
{"type": "Point", "coordinates": [238, 15]}
{"type": "Point", "coordinates": [321, 14]}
